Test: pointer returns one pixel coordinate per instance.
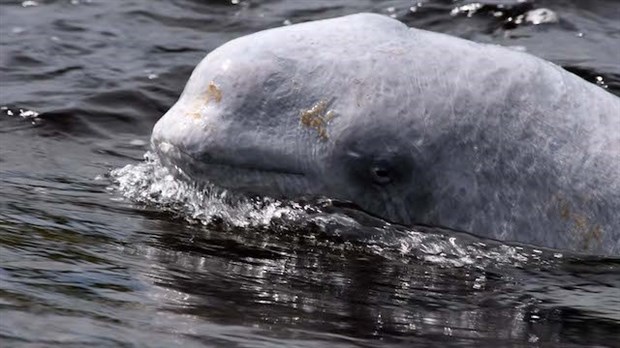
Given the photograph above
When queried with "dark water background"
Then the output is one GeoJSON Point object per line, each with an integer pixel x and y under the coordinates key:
{"type": "Point", "coordinates": [89, 258]}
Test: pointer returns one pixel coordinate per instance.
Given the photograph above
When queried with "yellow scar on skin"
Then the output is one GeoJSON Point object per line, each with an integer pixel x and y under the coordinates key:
{"type": "Point", "coordinates": [317, 118]}
{"type": "Point", "coordinates": [195, 115]}
{"type": "Point", "coordinates": [214, 93]}
{"type": "Point", "coordinates": [581, 226]}
{"type": "Point", "coordinates": [195, 110]}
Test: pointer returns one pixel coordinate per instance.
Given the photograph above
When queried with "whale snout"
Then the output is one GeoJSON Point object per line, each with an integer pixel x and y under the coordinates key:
{"type": "Point", "coordinates": [210, 149]}
{"type": "Point", "coordinates": [179, 137]}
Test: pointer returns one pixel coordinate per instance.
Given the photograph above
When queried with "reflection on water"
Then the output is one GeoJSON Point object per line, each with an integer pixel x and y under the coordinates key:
{"type": "Point", "coordinates": [380, 289]}
{"type": "Point", "coordinates": [134, 258]}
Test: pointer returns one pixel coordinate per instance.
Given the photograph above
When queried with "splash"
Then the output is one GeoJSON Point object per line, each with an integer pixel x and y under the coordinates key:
{"type": "Point", "coordinates": [151, 183]}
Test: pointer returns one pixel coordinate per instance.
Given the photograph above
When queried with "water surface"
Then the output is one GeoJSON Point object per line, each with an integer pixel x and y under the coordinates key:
{"type": "Point", "coordinates": [96, 253]}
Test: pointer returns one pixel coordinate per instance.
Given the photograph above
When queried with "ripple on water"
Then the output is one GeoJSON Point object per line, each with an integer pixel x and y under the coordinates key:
{"type": "Point", "coordinates": [156, 262]}
{"type": "Point", "coordinates": [151, 183]}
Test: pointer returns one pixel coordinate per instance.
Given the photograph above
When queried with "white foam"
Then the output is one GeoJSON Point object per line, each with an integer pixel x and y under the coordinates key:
{"type": "Point", "coordinates": [151, 183]}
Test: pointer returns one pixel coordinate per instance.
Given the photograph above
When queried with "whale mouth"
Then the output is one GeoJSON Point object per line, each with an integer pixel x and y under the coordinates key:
{"type": "Point", "coordinates": [165, 149]}
{"type": "Point", "coordinates": [249, 177]}
{"type": "Point", "coordinates": [215, 161]}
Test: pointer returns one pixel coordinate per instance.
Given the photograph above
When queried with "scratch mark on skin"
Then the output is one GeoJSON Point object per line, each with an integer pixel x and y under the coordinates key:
{"type": "Point", "coordinates": [317, 118]}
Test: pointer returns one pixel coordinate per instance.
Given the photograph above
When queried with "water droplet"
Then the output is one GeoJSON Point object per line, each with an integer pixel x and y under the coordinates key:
{"type": "Point", "coordinates": [28, 113]}
{"type": "Point", "coordinates": [541, 16]}
{"type": "Point", "coordinates": [29, 3]}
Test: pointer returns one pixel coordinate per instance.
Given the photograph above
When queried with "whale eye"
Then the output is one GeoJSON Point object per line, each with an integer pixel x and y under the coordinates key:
{"type": "Point", "coordinates": [375, 161]}
{"type": "Point", "coordinates": [380, 174]}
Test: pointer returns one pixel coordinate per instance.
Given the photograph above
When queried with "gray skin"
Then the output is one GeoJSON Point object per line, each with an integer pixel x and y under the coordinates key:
{"type": "Point", "coordinates": [413, 126]}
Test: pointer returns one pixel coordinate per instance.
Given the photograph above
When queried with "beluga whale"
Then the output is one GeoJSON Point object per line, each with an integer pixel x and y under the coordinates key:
{"type": "Point", "coordinates": [412, 126]}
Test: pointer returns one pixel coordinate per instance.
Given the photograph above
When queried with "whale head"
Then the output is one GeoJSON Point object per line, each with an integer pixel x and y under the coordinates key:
{"type": "Point", "coordinates": [293, 112]}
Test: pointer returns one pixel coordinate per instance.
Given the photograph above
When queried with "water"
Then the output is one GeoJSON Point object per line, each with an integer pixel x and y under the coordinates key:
{"type": "Point", "coordinates": [99, 247]}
